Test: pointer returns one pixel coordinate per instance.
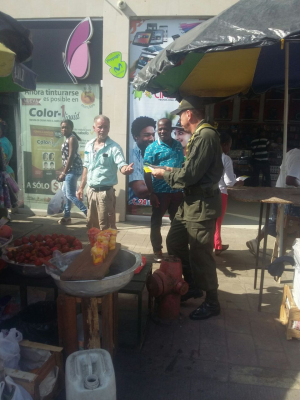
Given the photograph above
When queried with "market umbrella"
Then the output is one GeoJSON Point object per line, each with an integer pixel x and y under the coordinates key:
{"type": "Point", "coordinates": [244, 49]}
{"type": "Point", "coordinates": [14, 76]}
{"type": "Point", "coordinates": [238, 50]}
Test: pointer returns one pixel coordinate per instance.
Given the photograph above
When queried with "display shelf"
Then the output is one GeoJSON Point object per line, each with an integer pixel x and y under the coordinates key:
{"type": "Point", "coordinates": [266, 113]}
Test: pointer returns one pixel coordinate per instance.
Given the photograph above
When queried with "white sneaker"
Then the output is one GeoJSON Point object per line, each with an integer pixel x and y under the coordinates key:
{"type": "Point", "coordinates": [252, 246]}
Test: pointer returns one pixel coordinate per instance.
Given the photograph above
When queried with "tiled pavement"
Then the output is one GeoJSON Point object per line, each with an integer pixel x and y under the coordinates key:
{"type": "Point", "coordinates": [240, 354]}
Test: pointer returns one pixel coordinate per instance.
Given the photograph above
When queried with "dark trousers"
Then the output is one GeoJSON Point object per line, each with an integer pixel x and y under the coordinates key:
{"type": "Point", "coordinates": [193, 243]}
{"type": "Point", "coordinates": [168, 202]}
{"type": "Point", "coordinates": [264, 167]}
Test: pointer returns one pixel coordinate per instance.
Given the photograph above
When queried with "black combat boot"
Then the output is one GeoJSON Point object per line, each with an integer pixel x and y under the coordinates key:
{"type": "Point", "coordinates": [209, 308]}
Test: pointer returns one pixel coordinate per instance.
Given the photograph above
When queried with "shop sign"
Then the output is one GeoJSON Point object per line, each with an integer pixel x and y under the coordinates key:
{"type": "Point", "coordinates": [76, 57]}
{"type": "Point", "coordinates": [42, 111]}
{"type": "Point", "coordinates": [118, 67]}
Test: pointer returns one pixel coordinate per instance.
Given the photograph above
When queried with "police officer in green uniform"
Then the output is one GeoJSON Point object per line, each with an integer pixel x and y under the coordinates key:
{"type": "Point", "coordinates": [191, 237]}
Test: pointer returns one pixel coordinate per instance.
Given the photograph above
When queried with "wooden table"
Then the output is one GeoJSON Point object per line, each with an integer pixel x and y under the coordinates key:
{"type": "Point", "coordinates": [67, 310]}
{"type": "Point", "coordinates": [9, 277]}
{"type": "Point", "coordinates": [264, 195]}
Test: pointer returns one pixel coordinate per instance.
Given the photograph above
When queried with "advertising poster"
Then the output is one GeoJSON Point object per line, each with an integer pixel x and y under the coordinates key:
{"type": "Point", "coordinates": [42, 111]}
{"type": "Point", "coordinates": [147, 39]}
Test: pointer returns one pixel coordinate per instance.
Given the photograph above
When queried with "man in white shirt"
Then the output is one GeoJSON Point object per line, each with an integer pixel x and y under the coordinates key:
{"type": "Point", "coordinates": [292, 179]}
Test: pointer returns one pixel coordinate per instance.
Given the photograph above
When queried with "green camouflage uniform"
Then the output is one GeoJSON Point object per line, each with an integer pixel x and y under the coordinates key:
{"type": "Point", "coordinates": [195, 221]}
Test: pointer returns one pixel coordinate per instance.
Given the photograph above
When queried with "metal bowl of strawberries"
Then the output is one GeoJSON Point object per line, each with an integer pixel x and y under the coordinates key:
{"type": "Point", "coordinates": [28, 254]}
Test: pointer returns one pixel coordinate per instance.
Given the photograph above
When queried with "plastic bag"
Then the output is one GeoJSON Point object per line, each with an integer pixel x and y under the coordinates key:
{"type": "Point", "coordinates": [9, 389]}
{"type": "Point", "coordinates": [57, 203]}
{"type": "Point", "coordinates": [63, 260]}
{"type": "Point", "coordinates": [10, 349]}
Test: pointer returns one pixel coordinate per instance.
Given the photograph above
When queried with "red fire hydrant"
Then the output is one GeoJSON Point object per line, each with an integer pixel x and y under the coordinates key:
{"type": "Point", "coordinates": [167, 285]}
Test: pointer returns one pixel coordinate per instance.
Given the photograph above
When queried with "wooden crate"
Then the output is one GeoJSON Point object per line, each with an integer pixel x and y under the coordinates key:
{"type": "Point", "coordinates": [31, 381]}
{"type": "Point", "coordinates": [289, 313]}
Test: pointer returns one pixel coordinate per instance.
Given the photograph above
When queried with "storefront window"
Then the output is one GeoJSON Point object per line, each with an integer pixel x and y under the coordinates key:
{"type": "Point", "coordinates": [41, 114]}
{"type": "Point", "coordinates": [147, 39]}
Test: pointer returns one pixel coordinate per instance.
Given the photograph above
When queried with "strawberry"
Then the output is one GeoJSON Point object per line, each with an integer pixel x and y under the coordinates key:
{"type": "Point", "coordinates": [64, 249]}
{"type": "Point", "coordinates": [63, 241]}
{"type": "Point", "coordinates": [39, 237]}
{"type": "Point", "coordinates": [5, 231]}
{"type": "Point", "coordinates": [32, 238]}
{"type": "Point", "coordinates": [25, 240]}
{"type": "Point", "coordinates": [18, 242]}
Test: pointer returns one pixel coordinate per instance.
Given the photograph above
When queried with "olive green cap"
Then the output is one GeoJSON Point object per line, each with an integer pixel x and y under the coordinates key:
{"type": "Point", "coordinates": [189, 103]}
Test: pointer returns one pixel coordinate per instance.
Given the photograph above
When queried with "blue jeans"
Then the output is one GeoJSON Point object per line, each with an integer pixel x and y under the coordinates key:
{"type": "Point", "coordinates": [69, 189]}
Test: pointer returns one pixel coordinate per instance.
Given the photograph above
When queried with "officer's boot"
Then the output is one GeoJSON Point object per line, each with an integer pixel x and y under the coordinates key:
{"type": "Point", "coordinates": [209, 308]}
{"type": "Point", "coordinates": [194, 291]}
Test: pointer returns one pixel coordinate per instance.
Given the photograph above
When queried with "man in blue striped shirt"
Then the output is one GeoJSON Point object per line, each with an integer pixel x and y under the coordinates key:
{"type": "Point", "coordinates": [164, 152]}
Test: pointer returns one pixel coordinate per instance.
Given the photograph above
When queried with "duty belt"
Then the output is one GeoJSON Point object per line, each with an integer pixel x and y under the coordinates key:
{"type": "Point", "coordinates": [201, 190]}
{"type": "Point", "coordinates": [101, 188]}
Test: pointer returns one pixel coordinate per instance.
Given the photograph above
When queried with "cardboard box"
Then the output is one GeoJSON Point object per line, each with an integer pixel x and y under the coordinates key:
{"type": "Point", "coordinates": [31, 381]}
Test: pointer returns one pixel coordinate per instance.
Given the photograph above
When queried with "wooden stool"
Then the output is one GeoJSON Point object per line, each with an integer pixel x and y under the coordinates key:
{"type": "Point", "coordinates": [289, 313]}
{"type": "Point", "coordinates": [67, 322]}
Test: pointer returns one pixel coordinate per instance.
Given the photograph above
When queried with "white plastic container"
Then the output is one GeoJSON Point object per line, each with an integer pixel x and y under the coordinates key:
{"type": "Point", "coordinates": [296, 282]}
{"type": "Point", "coordinates": [90, 375]}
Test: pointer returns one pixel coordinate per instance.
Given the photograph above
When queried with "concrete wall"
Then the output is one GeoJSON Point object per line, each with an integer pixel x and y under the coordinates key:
{"type": "Point", "coordinates": [115, 38]}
